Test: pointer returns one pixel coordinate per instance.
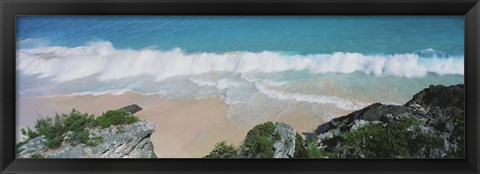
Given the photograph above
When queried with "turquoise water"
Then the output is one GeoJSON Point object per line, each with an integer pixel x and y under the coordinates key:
{"type": "Point", "coordinates": [257, 64]}
{"type": "Point", "coordinates": [295, 34]}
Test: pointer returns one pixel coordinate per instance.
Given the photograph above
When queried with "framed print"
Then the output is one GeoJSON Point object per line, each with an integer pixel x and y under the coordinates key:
{"type": "Point", "coordinates": [253, 86]}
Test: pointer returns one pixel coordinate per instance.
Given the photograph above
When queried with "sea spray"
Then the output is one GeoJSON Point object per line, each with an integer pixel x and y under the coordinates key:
{"type": "Point", "coordinates": [106, 63]}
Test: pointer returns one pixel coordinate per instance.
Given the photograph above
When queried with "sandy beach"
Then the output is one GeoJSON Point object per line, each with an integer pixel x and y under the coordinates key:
{"type": "Point", "coordinates": [183, 128]}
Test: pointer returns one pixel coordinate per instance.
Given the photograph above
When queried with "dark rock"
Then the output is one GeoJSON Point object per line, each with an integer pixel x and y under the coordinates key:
{"type": "Point", "coordinates": [323, 128]}
{"type": "Point", "coordinates": [132, 109]}
{"type": "Point", "coordinates": [441, 96]}
{"type": "Point", "coordinates": [373, 112]}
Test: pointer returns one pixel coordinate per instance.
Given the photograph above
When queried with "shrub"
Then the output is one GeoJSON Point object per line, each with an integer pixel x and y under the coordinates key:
{"type": "Point", "coordinates": [308, 148]}
{"type": "Point", "coordinates": [259, 144]}
{"type": "Point", "coordinates": [458, 133]}
{"type": "Point", "coordinates": [115, 117]}
{"type": "Point", "coordinates": [75, 125]}
{"type": "Point", "coordinates": [457, 152]}
{"type": "Point", "coordinates": [300, 151]}
{"type": "Point", "coordinates": [77, 122]}
{"type": "Point", "coordinates": [94, 141]}
{"type": "Point", "coordinates": [312, 151]}
{"type": "Point", "coordinates": [391, 141]}
{"type": "Point", "coordinates": [36, 155]}
{"type": "Point", "coordinates": [53, 129]}
{"type": "Point", "coordinates": [259, 141]}
{"type": "Point", "coordinates": [29, 133]}
{"type": "Point", "coordinates": [222, 150]}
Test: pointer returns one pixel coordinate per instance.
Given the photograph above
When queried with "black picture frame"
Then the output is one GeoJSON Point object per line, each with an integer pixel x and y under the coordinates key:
{"type": "Point", "coordinates": [12, 8]}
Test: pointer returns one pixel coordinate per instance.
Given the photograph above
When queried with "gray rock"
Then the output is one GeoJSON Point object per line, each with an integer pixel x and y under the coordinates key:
{"type": "Point", "coordinates": [417, 108]}
{"type": "Point", "coordinates": [67, 151]}
{"type": "Point", "coordinates": [357, 124]}
{"type": "Point", "coordinates": [124, 141]}
{"type": "Point", "coordinates": [322, 138]}
{"type": "Point", "coordinates": [285, 147]}
{"type": "Point", "coordinates": [119, 142]}
{"type": "Point", "coordinates": [33, 146]}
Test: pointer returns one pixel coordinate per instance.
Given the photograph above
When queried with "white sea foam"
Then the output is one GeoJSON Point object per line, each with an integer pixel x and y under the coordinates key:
{"type": "Point", "coordinates": [26, 41]}
{"type": "Point", "coordinates": [105, 63]}
{"type": "Point", "coordinates": [201, 82]}
{"type": "Point", "coordinates": [116, 92]}
{"type": "Point", "coordinates": [321, 99]}
{"type": "Point", "coordinates": [219, 84]}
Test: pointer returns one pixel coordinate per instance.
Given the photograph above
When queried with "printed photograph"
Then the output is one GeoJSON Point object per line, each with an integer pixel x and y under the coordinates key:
{"type": "Point", "coordinates": [297, 87]}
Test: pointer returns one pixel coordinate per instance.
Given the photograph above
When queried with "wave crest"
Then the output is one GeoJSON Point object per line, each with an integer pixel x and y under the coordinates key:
{"type": "Point", "coordinates": [103, 61]}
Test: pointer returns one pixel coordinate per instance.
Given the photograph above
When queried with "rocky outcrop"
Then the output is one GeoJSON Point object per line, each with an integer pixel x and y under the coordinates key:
{"type": "Point", "coordinates": [439, 96]}
{"type": "Point", "coordinates": [131, 109]}
{"type": "Point", "coordinates": [124, 141]}
{"type": "Point", "coordinates": [116, 141]}
{"type": "Point", "coordinates": [285, 145]}
{"type": "Point", "coordinates": [267, 140]}
{"type": "Point", "coordinates": [432, 124]}
{"type": "Point", "coordinates": [369, 114]}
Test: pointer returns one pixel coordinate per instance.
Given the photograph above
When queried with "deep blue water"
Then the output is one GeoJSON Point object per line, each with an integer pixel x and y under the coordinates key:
{"type": "Point", "coordinates": [217, 34]}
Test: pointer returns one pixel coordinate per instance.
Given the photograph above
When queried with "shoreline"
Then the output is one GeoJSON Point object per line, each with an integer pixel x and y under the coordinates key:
{"type": "Point", "coordinates": [184, 128]}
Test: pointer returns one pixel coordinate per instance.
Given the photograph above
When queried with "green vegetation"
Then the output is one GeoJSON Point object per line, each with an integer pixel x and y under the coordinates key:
{"type": "Point", "coordinates": [457, 152]}
{"type": "Point", "coordinates": [390, 141]}
{"type": "Point", "coordinates": [259, 144]}
{"type": "Point", "coordinates": [222, 150]}
{"type": "Point", "coordinates": [36, 155]}
{"type": "Point", "coordinates": [308, 148]}
{"type": "Point", "coordinates": [115, 117]}
{"type": "Point", "coordinates": [77, 125]}
{"type": "Point", "coordinates": [52, 129]}
{"type": "Point", "coordinates": [74, 127]}
{"type": "Point", "coordinates": [315, 152]}
{"type": "Point", "coordinates": [300, 151]}
{"type": "Point", "coordinates": [259, 141]}
{"type": "Point", "coordinates": [458, 131]}
{"type": "Point", "coordinates": [374, 140]}
{"type": "Point", "coordinates": [94, 141]}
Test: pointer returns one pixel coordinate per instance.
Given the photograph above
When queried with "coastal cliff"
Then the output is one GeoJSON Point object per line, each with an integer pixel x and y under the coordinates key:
{"type": "Point", "coordinates": [114, 134]}
{"type": "Point", "coordinates": [430, 125]}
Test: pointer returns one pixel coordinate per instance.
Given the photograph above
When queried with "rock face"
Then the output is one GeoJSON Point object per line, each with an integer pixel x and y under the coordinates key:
{"type": "Point", "coordinates": [371, 113]}
{"type": "Point", "coordinates": [285, 146]}
{"type": "Point", "coordinates": [440, 96]}
{"type": "Point", "coordinates": [437, 113]}
{"type": "Point", "coordinates": [123, 141]}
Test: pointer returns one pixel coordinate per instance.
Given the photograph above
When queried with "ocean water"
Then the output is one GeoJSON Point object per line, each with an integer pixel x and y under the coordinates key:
{"type": "Point", "coordinates": [260, 65]}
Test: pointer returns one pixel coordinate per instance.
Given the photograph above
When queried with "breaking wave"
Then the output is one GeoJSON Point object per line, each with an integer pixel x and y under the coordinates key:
{"type": "Point", "coordinates": [102, 61]}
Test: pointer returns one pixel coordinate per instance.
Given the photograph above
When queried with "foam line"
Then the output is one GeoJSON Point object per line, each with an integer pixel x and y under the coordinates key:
{"type": "Point", "coordinates": [102, 61]}
{"type": "Point", "coordinates": [321, 99]}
